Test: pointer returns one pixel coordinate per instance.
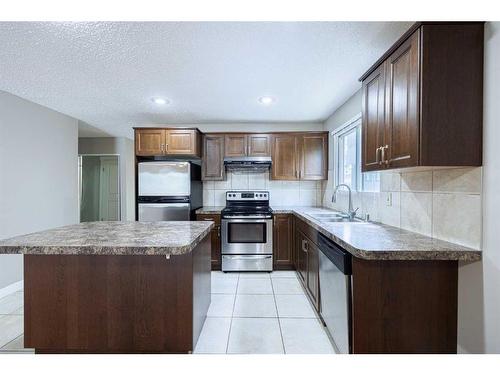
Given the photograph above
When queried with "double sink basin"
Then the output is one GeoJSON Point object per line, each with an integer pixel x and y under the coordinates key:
{"type": "Point", "coordinates": [333, 217]}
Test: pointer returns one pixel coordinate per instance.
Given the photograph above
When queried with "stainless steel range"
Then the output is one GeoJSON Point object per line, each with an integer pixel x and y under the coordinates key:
{"type": "Point", "coordinates": [247, 232]}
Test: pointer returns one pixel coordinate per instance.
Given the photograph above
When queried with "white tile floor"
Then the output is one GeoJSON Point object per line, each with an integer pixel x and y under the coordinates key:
{"type": "Point", "coordinates": [259, 313]}
{"type": "Point", "coordinates": [12, 323]}
{"type": "Point", "coordinates": [250, 313]}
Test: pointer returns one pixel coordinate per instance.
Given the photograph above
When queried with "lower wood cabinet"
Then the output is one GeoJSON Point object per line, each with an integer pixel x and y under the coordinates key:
{"type": "Point", "coordinates": [307, 260]}
{"type": "Point", "coordinates": [215, 239]}
{"type": "Point", "coordinates": [283, 242]}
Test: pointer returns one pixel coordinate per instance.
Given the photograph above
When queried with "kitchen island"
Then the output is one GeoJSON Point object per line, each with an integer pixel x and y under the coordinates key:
{"type": "Point", "coordinates": [115, 287]}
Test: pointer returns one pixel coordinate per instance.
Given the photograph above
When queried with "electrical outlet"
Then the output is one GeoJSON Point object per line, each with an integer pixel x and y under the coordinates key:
{"type": "Point", "coordinates": [388, 200]}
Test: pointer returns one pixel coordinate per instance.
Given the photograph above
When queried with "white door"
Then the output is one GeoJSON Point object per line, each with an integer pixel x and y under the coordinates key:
{"type": "Point", "coordinates": [109, 197]}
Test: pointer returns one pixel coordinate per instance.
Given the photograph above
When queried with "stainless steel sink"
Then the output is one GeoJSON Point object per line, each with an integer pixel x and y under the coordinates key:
{"type": "Point", "coordinates": [333, 217]}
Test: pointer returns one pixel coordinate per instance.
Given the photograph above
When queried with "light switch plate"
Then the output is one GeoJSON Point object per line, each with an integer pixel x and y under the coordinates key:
{"type": "Point", "coordinates": [388, 200]}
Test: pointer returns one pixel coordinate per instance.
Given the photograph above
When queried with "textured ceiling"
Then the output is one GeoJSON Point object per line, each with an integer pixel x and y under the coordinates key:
{"type": "Point", "coordinates": [105, 73]}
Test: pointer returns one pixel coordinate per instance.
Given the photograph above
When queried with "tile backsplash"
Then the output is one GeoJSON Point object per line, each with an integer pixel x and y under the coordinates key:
{"type": "Point", "coordinates": [282, 193]}
{"type": "Point", "coordinates": [441, 203]}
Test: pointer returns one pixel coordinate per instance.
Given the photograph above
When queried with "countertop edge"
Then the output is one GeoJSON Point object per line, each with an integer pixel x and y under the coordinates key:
{"type": "Point", "coordinates": [106, 250]}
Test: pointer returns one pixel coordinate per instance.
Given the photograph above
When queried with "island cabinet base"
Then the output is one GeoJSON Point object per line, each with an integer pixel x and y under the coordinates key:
{"type": "Point", "coordinates": [404, 306]}
{"type": "Point", "coordinates": [116, 303]}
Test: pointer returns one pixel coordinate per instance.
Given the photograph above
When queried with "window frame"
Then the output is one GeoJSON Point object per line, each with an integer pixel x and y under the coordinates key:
{"type": "Point", "coordinates": [353, 124]}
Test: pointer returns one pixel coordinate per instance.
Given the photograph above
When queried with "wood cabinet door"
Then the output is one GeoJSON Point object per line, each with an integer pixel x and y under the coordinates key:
{"type": "Point", "coordinates": [181, 142]}
{"type": "Point", "coordinates": [236, 145]}
{"type": "Point", "coordinates": [373, 123]}
{"type": "Point", "coordinates": [282, 242]}
{"type": "Point", "coordinates": [259, 145]}
{"type": "Point", "coordinates": [285, 157]}
{"type": "Point", "coordinates": [402, 105]}
{"type": "Point", "coordinates": [313, 272]}
{"type": "Point", "coordinates": [313, 150]}
{"type": "Point", "coordinates": [301, 243]}
{"type": "Point", "coordinates": [215, 239]}
{"type": "Point", "coordinates": [213, 158]}
{"type": "Point", "coordinates": [149, 142]}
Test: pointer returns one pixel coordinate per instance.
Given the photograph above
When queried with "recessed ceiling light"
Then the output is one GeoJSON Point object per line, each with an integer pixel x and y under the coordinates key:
{"type": "Point", "coordinates": [266, 100]}
{"type": "Point", "coordinates": [160, 101]}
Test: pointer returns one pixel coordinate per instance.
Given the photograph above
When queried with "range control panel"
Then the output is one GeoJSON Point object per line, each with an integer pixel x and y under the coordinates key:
{"type": "Point", "coordinates": [247, 195]}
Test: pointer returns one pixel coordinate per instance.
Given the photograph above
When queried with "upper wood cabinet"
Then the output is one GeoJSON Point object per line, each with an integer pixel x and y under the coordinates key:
{"type": "Point", "coordinates": [149, 141]}
{"type": "Point", "coordinates": [236, 145]}
{"type": "Point", "coordinates": [422, 101]}
{"type": "Point", "coordinates": [259, 145]}
{"type": "Point", "coordinates": [300, 156]}
{"type": "Point", "coordinates": [284, 153]}
{"type": "Point", "coordinates": [313, 151]}
{"type": "Point", "coordinates": [213, 158]}
{"type": "Point", "coordinates": [373, 108]}
{"type": "Point", "coordinates": [247, 145]}
{"type": "Point", "coordinates": [163, 141]}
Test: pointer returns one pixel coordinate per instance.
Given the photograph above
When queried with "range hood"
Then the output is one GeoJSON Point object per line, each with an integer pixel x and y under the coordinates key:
{"type": "Point", "coordinates": [255, 164]}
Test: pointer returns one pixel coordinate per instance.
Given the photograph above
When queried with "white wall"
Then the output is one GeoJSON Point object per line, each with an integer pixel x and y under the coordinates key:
{"type": "Point", "coordinates": [125, 148]}
{"type": "Point", "coordinates": [38, 174]}
{"type": "Point", "coordinates": [480, 328]}
{"type": "Point", "coordinates": [251, 127]}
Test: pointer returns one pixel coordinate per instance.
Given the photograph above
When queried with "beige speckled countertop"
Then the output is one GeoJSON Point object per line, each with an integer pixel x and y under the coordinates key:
{"type": "Point", "coordinates": [112, 238]}
{"type": "Point", "coordinates": [370, 240]}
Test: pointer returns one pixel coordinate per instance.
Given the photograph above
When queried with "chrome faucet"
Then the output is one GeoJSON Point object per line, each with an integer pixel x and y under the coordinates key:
{"type": "Point", "coordinates": [351, 213]}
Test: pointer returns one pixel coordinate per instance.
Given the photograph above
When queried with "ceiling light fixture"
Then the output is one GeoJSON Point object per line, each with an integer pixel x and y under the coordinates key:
{"type": "Point", "coordinates": [266, 100]}
{"type": "Point", "coordinates": [160, 101]}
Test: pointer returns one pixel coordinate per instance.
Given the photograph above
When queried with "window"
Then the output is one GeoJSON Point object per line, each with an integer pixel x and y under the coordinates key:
{"type": "Point", "coordinates": [347, 158]}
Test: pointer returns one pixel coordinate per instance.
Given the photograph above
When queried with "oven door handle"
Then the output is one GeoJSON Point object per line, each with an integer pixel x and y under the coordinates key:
{"type": "Point", "coordinates": [248, 257]}
{"type": "Point", "coordinates": [259, 218]}
{"type": "Point", "coordinates": [246, 219]}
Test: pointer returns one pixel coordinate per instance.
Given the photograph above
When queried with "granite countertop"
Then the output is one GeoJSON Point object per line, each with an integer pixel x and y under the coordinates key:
{"type": "Point", "coordinates": [371, 240]}
{"type": "Point", "coordinates": [112, 238]}
{"type": "Point", "coordinates": [207, 210]}
{"type": "Point", "coordinates": [375, 241]}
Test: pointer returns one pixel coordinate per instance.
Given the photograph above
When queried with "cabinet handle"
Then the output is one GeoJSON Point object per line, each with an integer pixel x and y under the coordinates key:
{"type": "Point", "coordinates": [377, 158]}
{"type": "Point", "coordinates": [166, 147]}
{"type": "Point", "coordinates": [304, 246]}
{"type": "Point", "coordinates": [383, 154]}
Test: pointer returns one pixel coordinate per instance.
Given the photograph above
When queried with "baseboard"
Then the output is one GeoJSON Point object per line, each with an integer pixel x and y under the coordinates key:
{"type": "Point", "coordinates": [11, 288]}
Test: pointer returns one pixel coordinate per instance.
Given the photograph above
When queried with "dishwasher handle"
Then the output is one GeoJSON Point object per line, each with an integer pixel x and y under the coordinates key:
{"type": "Point", "coordinates": [341, 258]}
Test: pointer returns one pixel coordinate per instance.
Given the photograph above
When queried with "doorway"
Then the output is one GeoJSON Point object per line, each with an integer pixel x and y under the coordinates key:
{"type": "Point", "coordinates": [99, 188]}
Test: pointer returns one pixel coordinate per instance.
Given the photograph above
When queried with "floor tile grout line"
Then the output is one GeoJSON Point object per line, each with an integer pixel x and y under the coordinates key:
{"type": "Point", "coordinates": [232, 313]}
{"type": "Point", "coordinates": [278, 316]}
{"type": "Point", "coordinates": [14, 339]}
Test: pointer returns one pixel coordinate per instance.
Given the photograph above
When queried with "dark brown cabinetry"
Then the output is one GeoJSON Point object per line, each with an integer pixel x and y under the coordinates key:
{"type": "Point", "coordinates": [422, 101]}
{"type": "Point", "coordinates": [247, 145]}
{"type": "Point", "coordinates": [284, 151]}
{"type": "Point", "coordinates": [215, 239]}
{"type": "Point", "coordinates": [313, 151]}
{"type": "Point", "coordinates": [300, 156]}
{"type": "Point", "coordinates": [213, 158]}
{"type": "Point", "coordinates": [236, 145]}
{"type": "Point", "coordinates": [259, 145]}
{"type": "Point", "coordinates": [282, 242]}
{"type": "Point", "coordinates": [307, 260]}
{"type": "Point", "coordinates": [163, 141]}
{"type": "Point", "coordinates": [149, 142]}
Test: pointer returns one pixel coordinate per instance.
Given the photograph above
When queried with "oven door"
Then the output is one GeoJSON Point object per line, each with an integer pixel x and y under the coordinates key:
{"type": "Point", "coordinates": [247, 236]}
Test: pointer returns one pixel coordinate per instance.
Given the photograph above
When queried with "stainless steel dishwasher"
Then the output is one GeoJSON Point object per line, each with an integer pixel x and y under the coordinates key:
{"type": "Point", "coordinates": [335, 270]}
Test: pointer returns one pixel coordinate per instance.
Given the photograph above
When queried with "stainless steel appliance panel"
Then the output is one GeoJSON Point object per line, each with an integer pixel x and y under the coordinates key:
{"type": "Point", "coordinates": [164, 211]}
{"type": "Point", "coordinates": [336, 293]}
{"type": "Point", "coordinates": [247, 236]}
{"type": "Point", "coordinates": [164, 178]}
{"type": "Point", "coordinates": [247, 262]}
{"type": "Point", "coordinates": [335, 290]}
